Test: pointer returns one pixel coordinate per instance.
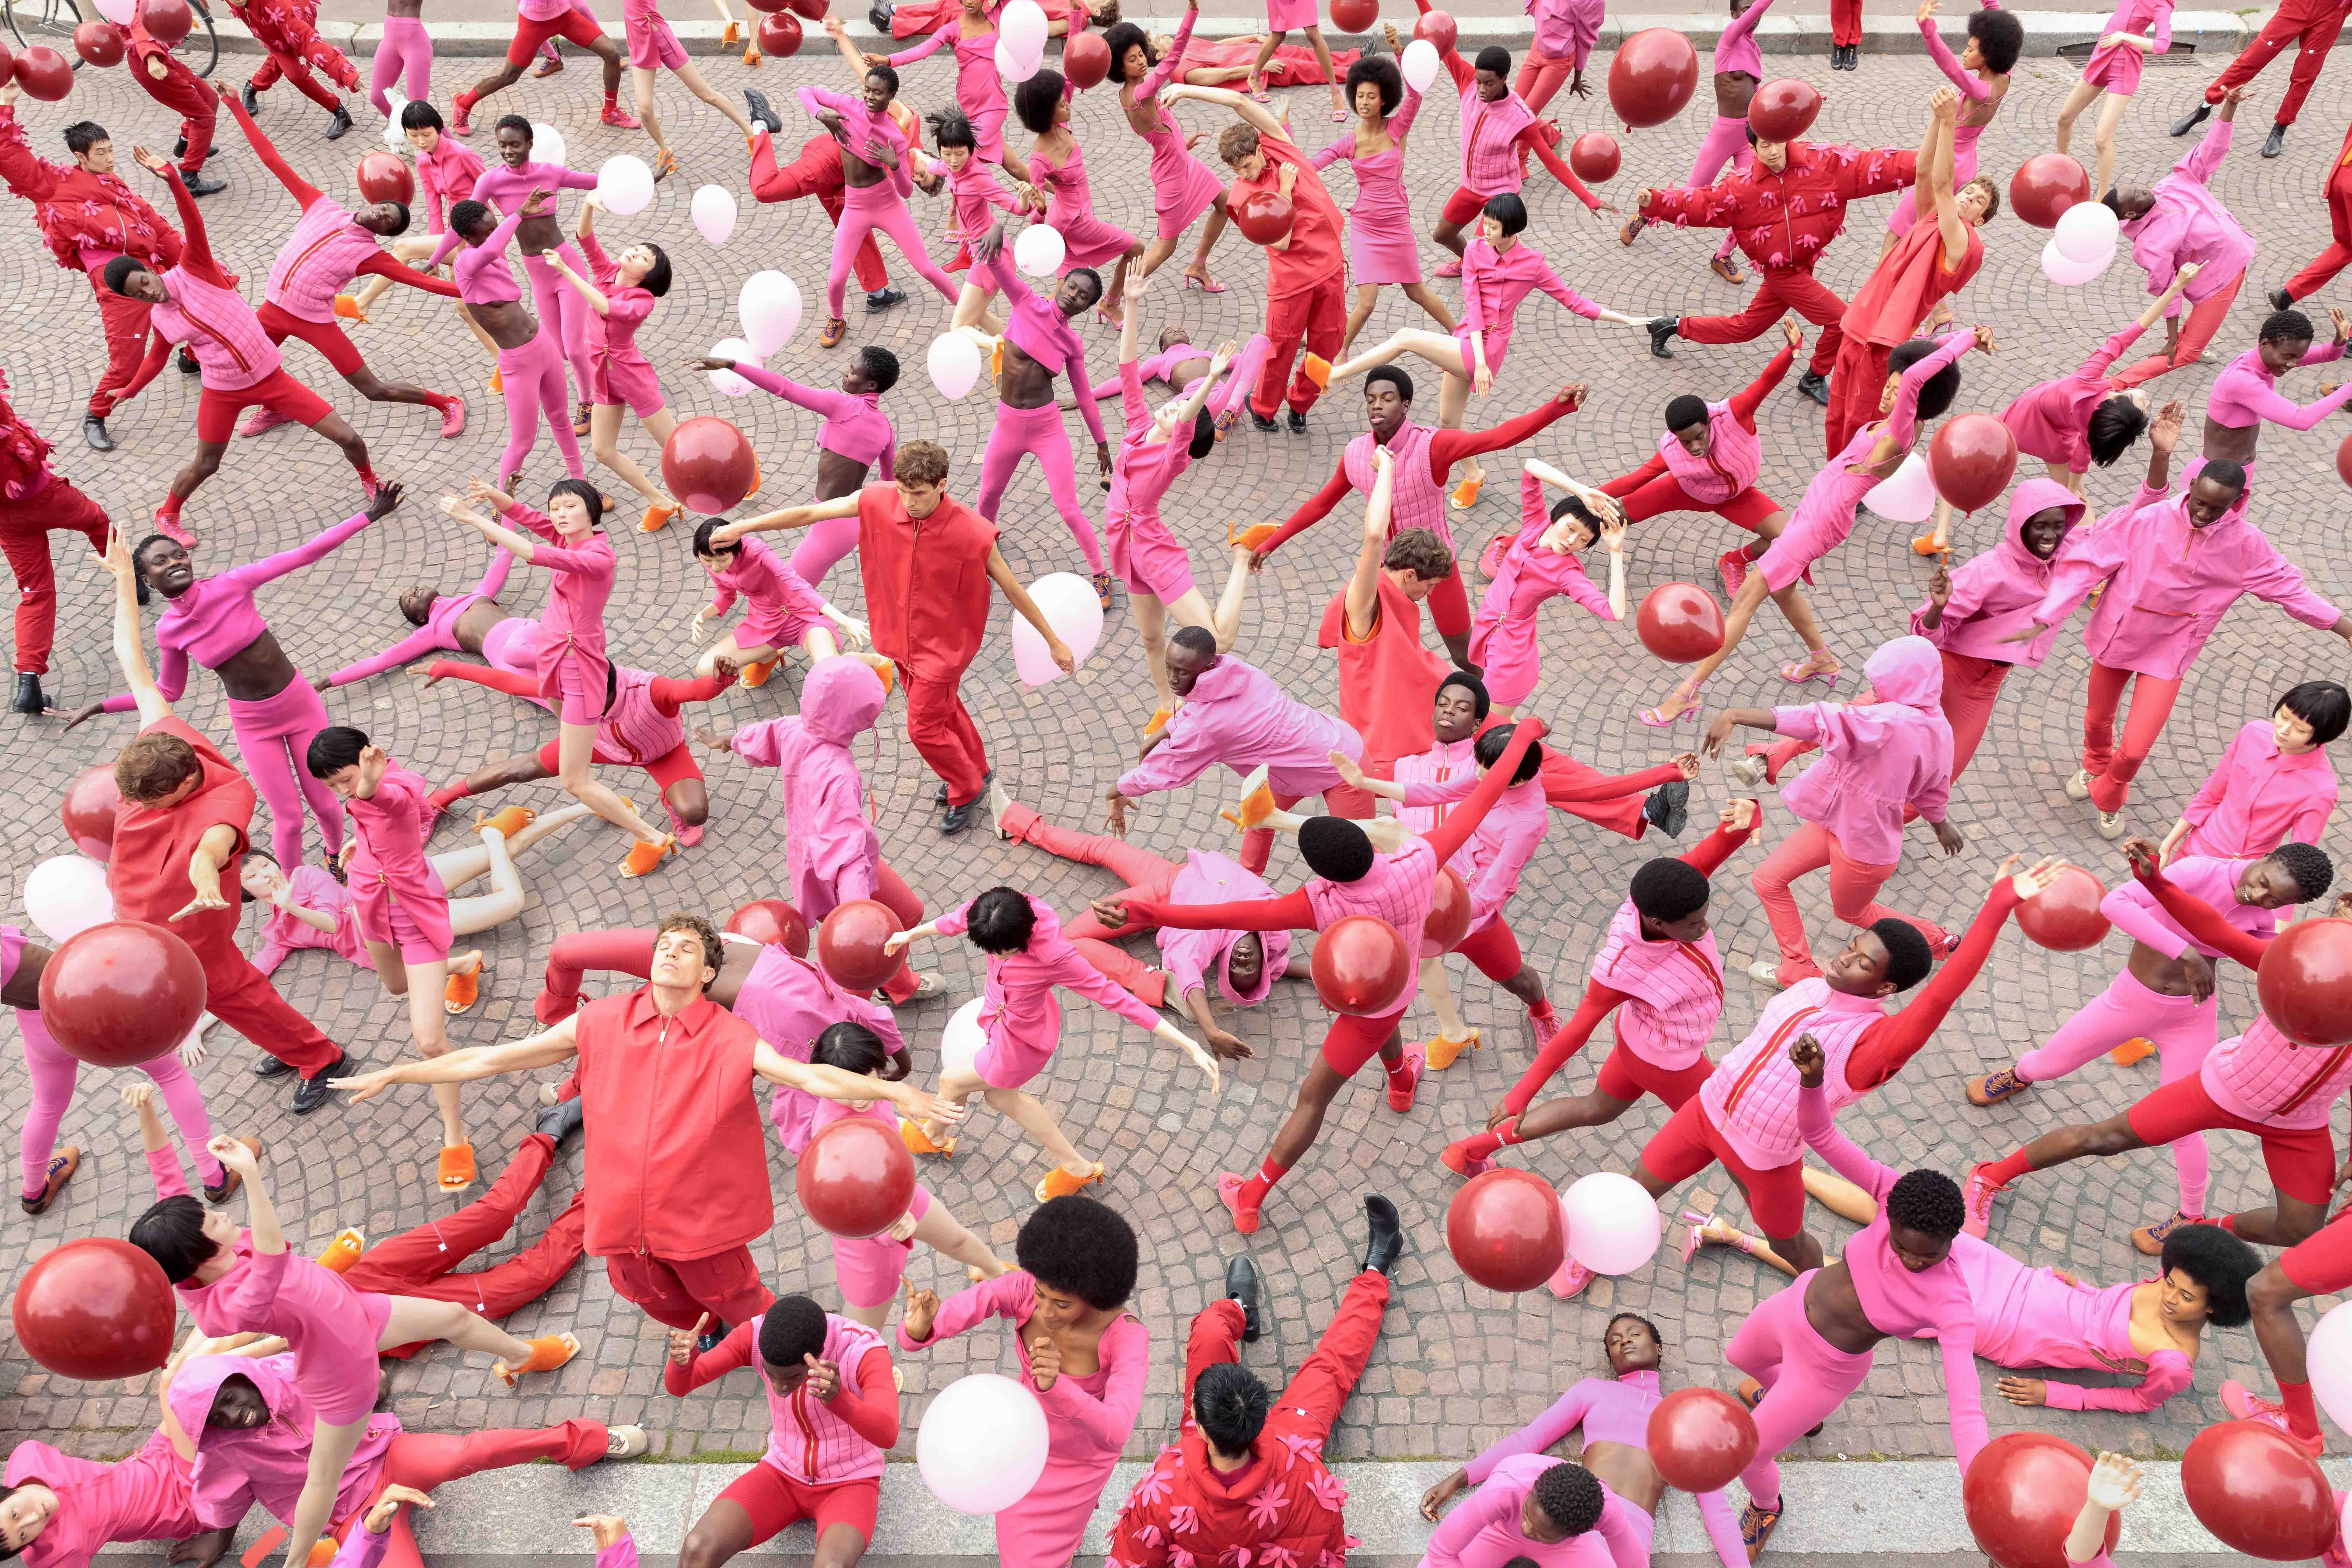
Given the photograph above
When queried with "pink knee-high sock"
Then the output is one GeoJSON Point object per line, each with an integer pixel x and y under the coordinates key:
{"type": "Point", "coordinates": [821, 548]}
{"type": "Point", "coordinates": [1248, 365]}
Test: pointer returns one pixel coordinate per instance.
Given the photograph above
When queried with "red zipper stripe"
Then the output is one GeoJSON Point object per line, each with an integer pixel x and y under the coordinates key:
{"type": "Point", "coordinates": [1770, 1052]}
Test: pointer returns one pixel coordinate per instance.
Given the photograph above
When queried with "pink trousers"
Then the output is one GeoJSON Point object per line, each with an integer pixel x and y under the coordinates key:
{"type": "Point", "coordinates": [1854, 893]}
{"type": "Point", "coordinates": [532, 376]}
{"type": "Point", "coordinates": [405, 51]}
{"type": "Point", "coordinates": [1804, 1376]}
{"type": "Point", "coordinates": [559, 305]}
{"type": "Point", "coordinates": [53, 1073]}
{"type": "Point", "coordinates": [2183, 1033]}
{"type": "Point", "coordinates": [866, 208]}
{"type": "Point", "coordinates": [1727, 143]}
{"type": "Point", "coordinates": [273, 736]}
{"type": "Point", "coordinates": [2112, 768]}
{"type": "Point", "coordinates": [821, 548]}
{"type": "Point", "coordinates": [1038, 432]}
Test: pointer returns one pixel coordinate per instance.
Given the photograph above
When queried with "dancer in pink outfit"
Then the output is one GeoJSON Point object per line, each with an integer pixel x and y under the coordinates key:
{"type": "Point", "coordinates": [1383, 246]}
{"type": "Point", "coordinates": [1534, 1508]}
{"type": "Point", "coordinates": [1738, 69]}
{"type": "Point", "coordinates": [1182, 187]}
{"type": "Point", "coordinates": [1282, 16]}
{"type": "Point", "coordinates": [2077, 420]}
{"type": "Point", "coordinates": [875, 185]}
{"type": "Point", "coordinates": [1085, 1356]}
{"type": "Point", "coordinates": [2245, 395]}
{"type": "Point", "coordinates": [2272, 783]}
{"type": "Point", "coordinates": [403, 55]}
{"type": "Point", "coordinates": [531, 352]}
{"type": "Point", "coordinates": [1184, 367]}
{"type": "Point", "coordinates": [2180, 221]}
{"type": "Point", "coordinates": [1543, 562]}
{"type": "Point", "coordinates": [653, 45]}
{"type": "Point", "coordinates": [446, 171]}
{"type": "Point", "coordinates": [1057, 166]}
{"type": "Point", "coordinates": [972, 190]}
{"type": "Point", "coordinates": [1566, 31]}
{"type": "Point", "coordinates": [1981, 76]}
{"type": "Point", "coordinates": [857, 439]}
{"type": "Point", "coordinates": [979, 91]}
{"type": "Point", "coordinates": [449, 622]}
{"type": "Point", "coordinates": [781, 611]}
{"type": "Point", "coordinates": [620, 295]}
{"type": "Point", "coordinates": [57, 1511]}
{"type": "Point", "coordinates": [2137, 29]}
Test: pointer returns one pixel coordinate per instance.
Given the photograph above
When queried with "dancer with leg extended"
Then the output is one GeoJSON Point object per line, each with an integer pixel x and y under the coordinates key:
{"type": "Point", "coordinates": [446, 171]}
{"type": "Point", "coordinates": [619, 301]}
{"type": "Point", "coordinates": [2321, 269]}
{"type": "Point", "coordinates": [2180, 220]}
{"type": "Point", "coordinates": [817, 172]}
{"type": "Point", "coordinates": [530, 348]}
{"type": "Point", "coordinates": [653, 47]}
{"type": "Point", "coordinates": [855, 441]}
{"type": "Point", "coordinates": [287, 30]}
{"type": "Point", "coordinates": [2314, 25]}
{"type": "Point", "coordinates": [1383, 246]}
{"type": "Point", "coordinates": [1565, 32]}
{"type": "Point", "coordinates": [162, 77]}
{"type": "Point", "coordinates": [2272, 783]}
{"type": "Point", "coordinates": [1182, 367]}
{"type": "Point", "coordinates": [875, 185]}
{"type": "Point", "coordinates": [1182, 187]}
{"type": "Point", "coordinates": [1737, 68]}
{"type": "Point", "coordinates": [973, 191]}
{"type": "Point", "coordinates": [1542, 562]}
{"type": "Point", "coordinates": [2077, 420]}
{"type": "Point", "coordinates": [35, 501]}
{"type": "Point", "coordinates": [782, 611]}
{"type": "Point", "coordinates": [1058, 165]}
{"type": "Point", "coordinates": [2137, 29]}
{"type": "Point", "coordinates": [538, 23]}
{"type": "Point", "coordinates": [979, 91]}
{"type": "Point", "coordinates": [1281, 16]}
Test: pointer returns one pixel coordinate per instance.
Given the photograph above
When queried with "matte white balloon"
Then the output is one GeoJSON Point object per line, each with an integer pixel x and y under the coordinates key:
{"type": "Point", "coordinates": [769, 306]}
{"type": "Point", "coordinates": [2068, 273]}
{"type": "Point", "coordinates": [1613, 1227]}
{"type": "Point", "coordinates": [2330, 1362]}
{"type": "Point", "coordinates": [961, 1041]}
{"type": "Point", "coordinates": [955, 363]}
{"type": "Point", "coordinates": [119, 12]}
{"type": "Point", "coordinates": [1023, 24]}
{"type": "Point", "coordinates": [1072, 608]}
{"type": "Point", "coordinates": [547, 143]}
{"type": "Point", "coordinates": [65, 895]}
{"type": "Point", "coordinates": [726, 381]}
{"type": "Point", "coordinates": [1421, 63]}
{"type": "Point", "coordinates": [713, 210]}
{"type": "Point", "coordinates": [982, 1446]}
{"type": "Point", "coordinates": [394, 136]}
{"type": "Point", "coordinates": [2086, 231]}
{"type": "Point", "coordinates": [1016, 64]}
{"type": "Point", "coordinates": [1907, 495]}
{"type": "Point", "coordinates": [626, 185]}
{"type": "Point", "coordinates": [1038, 250]}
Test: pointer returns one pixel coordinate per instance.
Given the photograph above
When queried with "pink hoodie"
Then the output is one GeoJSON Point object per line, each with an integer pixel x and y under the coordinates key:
{"type": "Point", "coordinates": [1209, 878]}
{"type": "Point", "coordinates": [1878, 757]}
{"type": "Point", "coordinates": [268, 1464]}
{"type": "Point", "coordinates": [1999, 592]}
{"type": "Point", "coordinates": [831, 851]}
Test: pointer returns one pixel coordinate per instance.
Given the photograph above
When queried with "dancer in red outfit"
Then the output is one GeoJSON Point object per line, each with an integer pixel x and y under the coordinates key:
{"type": "Point", "coordinates": [2313, 26]}
{"type": "Point", "coordinates": [538, 21]}
{"type": "Point", "coordinates": [1710, 458]}
{"type": "Point", "coordinates": [160, 74]}
{"type": "Point", "coordinates": [34, 503]}
{"type": "Point", "coordinates": [2322, 267]}
{"type": "Point", "coordinates": [288, 30]}
{"type": "Point", "coordinates": [1388, 680]}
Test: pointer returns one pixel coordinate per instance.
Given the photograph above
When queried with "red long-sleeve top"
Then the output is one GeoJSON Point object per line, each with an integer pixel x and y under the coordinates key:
{"type": "Point", "coordinates": [1446, 447]}
{"type": "Point", "coordinates": [1783, 221]}
{"type": "Point", "coordinates": [80, 211]}
{"type": "Point", "coordinates": [871, 1409]}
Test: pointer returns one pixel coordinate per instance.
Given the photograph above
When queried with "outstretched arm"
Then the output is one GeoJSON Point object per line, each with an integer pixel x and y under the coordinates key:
{"type": "Point", "coordinates": [130, 654]}
{"type": "Point", "coordinates": [1363, 602]}
{"type": "Point", "coordinates": [1447, 838]}
{"type": "Point", "coordinates": [1257, 115]}
{"type": "Point", "coordinates": [303, 192]}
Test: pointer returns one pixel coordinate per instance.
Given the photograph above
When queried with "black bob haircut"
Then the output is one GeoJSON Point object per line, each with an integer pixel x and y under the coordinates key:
{"type": "Point", "coordinates": [334, 749]}
{"type": "Point", "coordinates": [172, 1232]}
{"type": "Point", "coordinates": [1230, 1405]}
{"type": "Point", "coordinates": [418, 115]}
{"type": "Point", "coordinates": [1001, 921]}
{"type": "Point", "coordinates": [2322, 704]}
{"type": "Point", "coordinates": [1490, 747]}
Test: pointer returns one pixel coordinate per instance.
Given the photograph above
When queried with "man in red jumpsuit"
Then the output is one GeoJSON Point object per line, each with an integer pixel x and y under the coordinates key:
{"type": "Point", "coordinates": [2314, 22]}
{"type": "Point", "coordinates": [816, 172]}
{"type": "Point", "coordinates": [1783, 210]}
{"type": "Point", "coordinates": [288, 29]}
{"type": "Point", "coordinates": [180, 90]}
{"type": "Point", "coordinates": [88, 218]}
{"type": "Point", "coordinates": [2332, 260]}
{"type": "Point", "coordinates": [34, 502]}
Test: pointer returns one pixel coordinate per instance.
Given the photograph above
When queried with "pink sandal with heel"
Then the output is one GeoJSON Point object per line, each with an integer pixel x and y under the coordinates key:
{"type": "Point", "coordinates": [1650, 715]}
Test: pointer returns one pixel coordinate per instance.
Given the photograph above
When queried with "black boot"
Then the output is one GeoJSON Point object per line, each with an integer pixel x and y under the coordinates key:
{"type": "Point", "coordinates": [883, 299]}
{"type": "Point", "coordinates": [187, 364]}
{"type": "Point", "coordinates": [880, 16]}
{"type": "Point", "coordinates": [1241, 1285]}
{"type": "Point", "coordinates": [29, 698]}
{"type": "Point", "coordinates": [1668, 807]}
{"type": "Point", "coordinates": [561, 1119]}
{"type": "Point", "coordinates": [2276, 143]}
{"type": "Point", "coordinates": [1298, 422]}
{"type": "Point", "coordinates": [940, 795]}
{"type": "Point", "coordinates": [1383, 1236]}
{"type": "Point", "coordinates": [710, 1339]}
{"type": "Point", "coordinates": [1662, 332]}
{"type": "Point", "coordinates": [2193, 118]}
{"type": "Point", "coordinates": [1815, 385]}
{"type": "Point", "coordinates": [267, 1066]}
{"type": "Point", "coordinates": [763, 113]}
{"type": "Point", "coordinates": [180, 148]}
{"type": "Point", "coordinates": [1264, 424]}
{"type": "Point", "coordinates": [199, 185]}
{"type": "Point", "coordinates": [247, 96]}
{"type": "Point", "coordinates": [2279, 299]}
{"type": "Point", "coordinates": [338, 124]}
{"type": "Point", "coordinates": [313, 1092]}
{"type": "Point", "coordinates": [94, 431]}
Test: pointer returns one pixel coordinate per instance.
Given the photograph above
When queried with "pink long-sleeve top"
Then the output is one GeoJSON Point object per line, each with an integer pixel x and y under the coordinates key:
{"type": "Point", "coordinates": [1969, 85]}
{"type": "Point", "coordinates": [1529, 573]}
{"type": "Point", "coordinates": [1507, 838]}
{"type": "Point", "coordinates": [1560, 24]}
{"type": "Point", "coordinates": [573, 624]}
{"type": "Point", "coordinates": [150, 1495]}
{"type": "Point", "coordinates": [2051, 419]}
{"type": "Point", "coordinates": [791, 1002]}
{"type": "Point", "coordinates": [1927, 1303]}
{"type": "Point", "coordinates": [1236, 714]}
{"type": "Point", "coordinates": [613, 334]}
{"type": "Point", "coordinates": [768, 581]}
{"type": "Point", "coordinates": [1878, 757]}
{"type": "Point", "coordinates": [1038, 329]}
{"type": "Point", "coordinates": [811, 1441]}
{"type": "Point", "coordinates": [446, 176]}
{"type": "Point", "coordinates": [282, 935]}
{"type": "Point", "coordinates": [2133, 910]}
{"type": "Point", "coordinates": [439, 632]}
{"type": "Point", "coordinates": [2189, 222]}
{"type": "Point", "coordinates": [2170, 582]}
{"type": "Point", "coordinates": [1087, 1419]}
{"type": "Point", "coordinates": [2257, 797]}
{"type": "Point", "coordinates": [2246, 393]}
{"type": "Point", "coordinates": [854, 425]}
{"type": "Point", "coordinates": [866, 133]}
{"type": "Point", "coordinates": [832, 853]}
{"type": "Point", "coordinates": [1735, 48]}
{"type": "Point", "coordinates": [1482, 1531]}
{"type": "Point", "coordinates": [482, 273]}
{"type": "Point", "coordinates": [1494, 282]}
{"type": "Point", "coordinates": [363, 1548]}
{"type": "Point", "coordinates": [1497, 137]}
{"type": "Point", "coordinates": [1209, 878]}
{"type": "Point", "coordinates": [1142, 469]}
{"type": "Point", "coordinates": [1020, 1015]}
{"type": "Point", "coordinates": [1825, 512]}
{"type": "Point", "coordinates": [388, 864]}
{"type": "Point", "coordinates": [978, 88]}
{"type": "Point", "coordinates": [505, 189]}
{"type": "Point", "coordinates": [2028, 1317]}
{"type": "Point", "coordinates": [215, 620]}
{"type": "Point", "coordinates": [1612, 1410]}
{"type": "Point", "coordinates": [974, 189]}
{"type": "Point", "coordinates": [268, 1464]}
{"type": "Point", "coordinates": [1999, 592]}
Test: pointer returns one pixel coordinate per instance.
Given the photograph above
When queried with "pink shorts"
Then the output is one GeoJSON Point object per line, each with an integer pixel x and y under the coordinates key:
{"type": "Point", "coordinates": [651, 42]}
{"type": "Point", "coordinates": [616, 379]}
{"type": "Point", "coordinates": [406, 937]}
{"type": "Point", "coordinates": [868, 1270]}
{"type": "Point", "coordinates": [587, 690]}
{"type": "Point", "coordinates": [1146, 557]}
{"type": "Point", "coordinates": [336, 1373]}
{"type": "Point", "coordinates": [762, 628]}
{"type": "Point", "coordinates": [1001, 1064]}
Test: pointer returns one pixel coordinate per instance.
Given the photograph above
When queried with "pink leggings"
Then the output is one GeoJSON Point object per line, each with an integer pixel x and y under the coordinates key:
{"type": "Point", "coordinates": [53, 1073]}
{"type": "Point", "coordinates": [2182, 1031]}
{"type": "Point", "coordinates": [1853, 891]}
{"type": "Point", "coordinates": [274, 735]}
{"type": "Point", "coordinates": [557, 302]}
{"type": "Point", "coordinates": [1038, 432]}
{"type": "Point", "coordinates": [406, 47]}
{"type": "Point", "coordinates": [1805, 1378]}
{"type": "Point", "coordinates": [866, 208]}
{"type": "Point", "coordinates": [533, 378]}
{"type": "Point", "coordinates": [821, 548]}
{"type": "Point", "coordinates": [2112, 769]}
{"type": "Point", "coordinates": [1727, 143]}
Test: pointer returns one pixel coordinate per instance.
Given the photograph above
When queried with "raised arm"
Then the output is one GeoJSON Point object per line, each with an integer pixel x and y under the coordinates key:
{"type": "Point", "coordinates": [1447, 839]}
{"type": "Point", "coordinates": [1159, 74]}
{"type": "Point", "coordinates": [303, 192]}
{"type": "Point", "coordinates": [1744, 402]}
{"type": "Point", "coordinates": [1891, 1042]}
{"type": "Point", "coordinates": [2200, 920]}
{"type": "Point", "coordinates": [1903, 424]}
{"type": "Point", "coordinates": [26, 173]}
{"type": "Point", "coordinates": [1448, 447]}
{"type": "Point", "coordinates": [313, 550]}
{"type": "Point", "coordinates": [195, 251]}
{"type": "Point", "coordinates": [1967, 83]}
{"type": "Point", "coordinates": [129, 653]}
{"type": "Point", "coordinates": [1257, 116]}
{"type": "Point", "coordinates": [1363, 601]}
{"type": "Point", "coordinates": [1817, 1122]}
{"type": "Point", "coordinates": [1566, 1414]}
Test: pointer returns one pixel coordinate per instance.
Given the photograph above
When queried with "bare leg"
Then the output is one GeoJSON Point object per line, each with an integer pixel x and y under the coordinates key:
{"type": "Point", "coordinates": [413, 1318]}
{"type": "Point", "coordinates": [1423, 295]}
{"type": "Point", "coordinates": [1211, 232]}
{"type": "Point", "coordinates": [422, 985]}
{"type": "Point", "coordinates": [957, 1087]}
{"type": "Point", "coordinates": [504, 900]}
{"type": "Point", "coordinates": [1744, 605]}
{"type": "Point", "coordinates": [1265, 53]}
{"type": "Point", "coordinates": [1443, 352]}
{"type": "Point", "coordinates": [1152, 626]}
{"type": "Point", "coordinates": [1439, 991]}
{"type": "Point", "coordinates": [457, 866]}
{"type": "Point", "coordinates": [641, 89]}
{"type": "Point", "coordinates": [2078, 98]}
{"type": "Point", "coordinates": [604, 443]}
{"type": "Point", "coordinates": [1799, 612]}
{"type": "Point", "coordinates": [1838, 1195]}
{"type": "Point", "coordinates": [1331, 76]}
{"type": "Point", "coordinates": [1043, 1130]}
{"type": "Point", "coordinates": [2111, 114]}
{"type": "Point", "coordinates": [702, 90]}
{"type": "Point", "coordinates": [331, 1447]}
{"type": "Point", "coordinates": [942, 1233]}
{"type": "Point", "coordinates": [577, 744]}
{"type": "Point", "coordinates": [819, 643]}
{"type": "Point", "coordinates": [1367, 294]}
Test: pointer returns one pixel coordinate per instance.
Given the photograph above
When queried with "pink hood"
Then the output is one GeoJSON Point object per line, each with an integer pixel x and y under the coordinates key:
{"type": "Point", "coordinates": [840, 699]}
{"type": "Point", "coordinates": [198, 1383]}
{"type": "Point", "coordinates": [2000, 591]}
{"type": "Point", "coordinates": [1908, 671]}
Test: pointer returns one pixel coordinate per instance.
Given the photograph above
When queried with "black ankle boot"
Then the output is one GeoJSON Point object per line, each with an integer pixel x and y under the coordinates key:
{"type": "Point", "coordinates": [1242, 1286]}
{"type": "Point", "coordinates": [1383, 1236]}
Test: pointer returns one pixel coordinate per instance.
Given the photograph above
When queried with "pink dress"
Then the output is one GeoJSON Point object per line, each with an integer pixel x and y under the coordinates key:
{"type": "Point", "coordinates": [574, 673]}
{"type": "Point", "coordinates": [620, 372]}
{"type": "Point", "coordinates": [2050, 419]}
{"type": "Point", "coordinates": [150, 1495]}
{"type": "Point", "coordinates": [396, 895]}
{"type": "Point", "coordinates": [1020, 1015]}
{"type": "Point", "coordinates": [2257, 797]}
{"type": "Point", "coordinates": [979, 91]}
{"type": "Point", "coordinates": [1088, 240]}
{"type": "Point", "coordinates": [869, 1269]}
{"type": "Point", "coordinates": [2116, 67]}
{"type": "Point", "coordinates": [2028, 1317]}
{"type": "Point", "coordinates": [1087, 1419]}
{"type": "Point", "coordinates": [1182, 187]}
{"type": "Point", "coordinates": [782, 609]}
{"type": "Point", "coordinates": [1503, 633]}
{"type": "Point", "coordinates": [1493, 284]}
{"type": "Point", "coordinates": [1287, 16]}
{"type": "Point", "coordinates": [1143, 552]}
{"type": "Point", "coordinates": [1382, 245]}
{"type": "Point", "coordinates": [651, 40]}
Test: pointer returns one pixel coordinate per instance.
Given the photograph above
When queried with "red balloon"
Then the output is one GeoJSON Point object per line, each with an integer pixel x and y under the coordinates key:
{"type": "Point", "coordinates": [1262, 216]}
{"type": "Point", "coordinates": [2258, 1492]}
{"type": "Point", "coordinates": [386, 177]}
{"type": "Point", "coordinates": [1680, 623]}
{"type": "Point", "coordinates": [1361, 967]}
{"type": "Point", "coordinates": [708, 463]}
{"type": "Point", "coordinates": [849, 944]}
{"type": "Point", "coordinates": [1439, 27]}
{"type": "Point", "coordinates": [44, 73]}
{"type": "Point", "coordinates": [1449, 912]}
{"type": "Point", "coordinates": [779, 34]}
{"type": "Point", "coordinates": [1505, 1228]}
{"type": "Point", "coordinates": [1355, 16]}
{"type": "Point", "coordinates": [8, 63]}
{"type": "Point", "coordinates": [2064, 916]}
{"type": "Point", "coordinates": [1653, 77]}
{"type": "Point", "coordinates": [167, 21]}
{"type": "Point", "coordinates": [768, 4]}
{"type": "Point", "coordinates": [771, 922]}
{"type": "Point", "coordinates": [2020, 1497]}
{"type": "Point", "coordinates": [1972, 459]}
{"type": "Point", "coordinates": [2305, 981]}
{"type": "Point", "coordinates": [2045, 186]}
{"type": "Point", "coordinates": [1700, 1438]}
{"type": "Point", "coordinates": [1086, 59]}
{"type": "Point", "coordinates": [88, 811]}
{"type": "Point", "coordinates": [122, 993]}
{"type": "Point", "coordinates": [814, 10]}
{"type": "Point", "coordinates": [855, 1177]}
{"type": "Point", "coordinates": [97, 1309]}
{"type": "Point", "coordinates": [1594, 157]}
{"type": "Point", "coordinates": [2343, 450]}
{"type": "Point", "coordinates": [98, 43]}
{"type": "Point", "coordinates": [1783, 110]}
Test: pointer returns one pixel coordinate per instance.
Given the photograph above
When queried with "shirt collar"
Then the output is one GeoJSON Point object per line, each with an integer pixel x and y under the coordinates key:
{"type": "Point", "coordinates": [643, 1014]}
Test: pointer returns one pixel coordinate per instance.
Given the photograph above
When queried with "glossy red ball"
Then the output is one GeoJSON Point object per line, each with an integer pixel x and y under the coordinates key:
{"type": "Point", "coordinates": [1783, 110]}
{"type": "Point", "coordinates": [97, 1309]}
{"type": "Point", "coordinates": [2259, 1491]}
{"type": "Point", "coordinates": [1972, 459]}
{"type": "Point", "coordinates": [2045, 186]}
{"type": "Point", "coordinates": [849, 944]}
{"type": "Point", "coordinates": [2021, 1496]}
{"type": "Point", "coordinates": [2305, 981]}
{"type": "Point", "coordinates": [1701, 1438]}
{"type": "Point", "coordinates": [88, 811]}
{"type": "Point", "coordinates": [1595, 157]}
{"type": "Point", "coordinates": [1361, 967]}
{"type": "Point", "coordinates": [2064, 916]}
{"type": "Point", "coordinates": [855, 1177]}
{"type": "Point", "coordinates": [122, 993]}
{"type": "Point", "coordinates": [1506, 1230]}
{"type": "Point", "coordinates": [1679, 622]}
{"type": "Point", "coordinates": [707, 463]}
{"type": "Point", "coordinates": [769, 922]}
{"type": "Point", "coordinates": [1653, 77]}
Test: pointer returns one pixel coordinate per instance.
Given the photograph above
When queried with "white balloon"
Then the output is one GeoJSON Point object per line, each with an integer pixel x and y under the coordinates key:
{"type": "Point", "coordinates": [726, 382]}
{"type": "Point", "coordinates": [2068, 273]}
{"type": "Point", "coordinates": [546, 145]}
{"type": "Point", "coordinates": [1072, 609]}
{"type": "Point", "coordinates": [1907, 495]}
{"type": "Point", "coordinates": [625, 183]}
{"type": "Point", "coordinates": [982, 1446]}
{"type": "Point", "coordinates": [1023, 24]}
{"type": "Point", "coordinates": [960, 1042]}
{"type": "Point", "coordinates": [2330, 1360]}
{"type": "Point", "coordinates": [1421, 63]}
{"type": "Point", "coordinates": [1014, 64]}
{"type": "Point", "coordinates": [2086, 231]}
{"type": "Point", "coordinates": [65, 895]}
{"type": "Point", "coordinates": [1038, 250]}
{"type": "Point", "coordinates": [713, 210]}
{"type": "Point", "coordinates": [1613, 1227]}
{"type": "Point", "coordinates": [769, 306]}
{"type": "Point", "coordinates": [955, 364]}
{"type": "Point", "coordinates": [119, 12]}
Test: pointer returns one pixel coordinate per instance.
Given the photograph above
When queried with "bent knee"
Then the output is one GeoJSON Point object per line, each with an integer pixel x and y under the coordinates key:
{"type": "Point", "coordinates": [2272, 1291]}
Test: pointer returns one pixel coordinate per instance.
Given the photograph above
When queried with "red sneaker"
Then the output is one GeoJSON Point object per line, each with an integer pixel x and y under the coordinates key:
{"type": "Point", "coordinates": [2244, 1405]}
{"type": "Point", "coordinates": [460, 124]}
{"type": "Point", "coordinates": [453, 418]}
{"type": "Point", "coordinates": [1229, 1193]}
{"type": "Point", "coordinates": [172, 528]}
{"type": "Point", "coordinates": [1462, 1162]}
{"type": "Point", "coordinates": [620, 118]}
{"type": "Point", "coordinates": [1402, 1101]}
{"type": "Point", "coordinates": [1733, 565]}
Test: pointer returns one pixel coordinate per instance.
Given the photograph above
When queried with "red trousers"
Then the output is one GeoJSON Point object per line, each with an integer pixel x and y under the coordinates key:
{"type": "Point", "coordinates": [677, 1292]}
{"type": "Point", "coordinates": [1146, 876]}
{"type": "Point", "coordinates": [24, 529]}
{"type": "Point", "coordinates": [1779, 291]}
{"type": "Point", "coordinates": [1845, 22]}
{"type": "Point", "coordinates": [241, 996]}
{"type": "Point", "coordinates": [1855, 388]}
{"type": "Point", "coordinates": [2315, 23]}
{"type": "Point", "coordinates": [296, 68]}
{"type": "Point", "coordinates": [1319, 315]}
{"type": "Point", "coordinates": [1854, 897]}
{"type": "Point", "coordinates": [428, 1460]}
{"type": "Point", "coordinates": [197, 105]}
{"type": "Point", "coordinates": [1613, 801]}
{"type": "Point", "coordinates": [816, 172]}
{"type": "Point", "coordinates": [2332, 260]}
{"type": "Point", "coordinates": [944, 735]}
{"type": "Point", "coordinates": [2111, 767]}
{"type": "Point", "coordinates": [1312, 1400]}
{"type": "Point", "coordinates": [125, 322]}
{"type": "Point", "coordinates": [2204, 320]}
{"type": "Point", "coordinates": [423, 1261]}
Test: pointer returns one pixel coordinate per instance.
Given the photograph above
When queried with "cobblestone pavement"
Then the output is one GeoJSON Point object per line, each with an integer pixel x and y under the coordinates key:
{"type": "Point", "coordinates": [1459, 1365]}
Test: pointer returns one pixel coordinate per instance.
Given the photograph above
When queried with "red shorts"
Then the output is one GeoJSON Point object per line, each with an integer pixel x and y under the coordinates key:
{"type": "Point", "coordinates": [1350, 1042]}
{"type": "Point", "coordinates": [1628, 1076]}
{"type": "Point", "coordinates": [775, 1500]}
{"type": "Point", "coordinates": [324, 336]}
{"type": "Point", "coordinates": [1689, 1142]}
{"type": "Point", "coordinates": [669, 768]}
{"type": "Point", "coordinates": [1463, 205]}
{"type": "Point", "coordinates": [2301, 1161]}
{"type": "Point", "coordinates": [529, 35]}
{"type": "Point", "coordinates": [1493, 951]}
{"type": "Point", "coordinates": [2321, 1263]}
{"type": "Point", "coordinates": [216, 411]}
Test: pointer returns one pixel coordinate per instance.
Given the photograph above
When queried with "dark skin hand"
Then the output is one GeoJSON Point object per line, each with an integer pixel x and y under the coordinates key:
{"type": "Point", "coordinates": [858, 167]}
{"type": "Point", "coordinates": [204, 1551]}
{"type": "Point", "coordinates": [508, 322]}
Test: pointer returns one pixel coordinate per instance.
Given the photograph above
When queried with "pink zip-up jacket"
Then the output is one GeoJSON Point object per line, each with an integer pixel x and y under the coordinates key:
{"type": "Point", "coordinates": [809, 1440]}
{"type": "Point", "coordinates": [1209, 878]}
{"type": "Point", "coordinates": [1877, 758]}
{"type": "Point", "coordinates": [2000, 591]}
{"type": "Point", "coordinates": [1236, 714]}
{"type": "Point", "coordinates": [1441, 764]}
{"type": "Point", "coordinates": [1675, 989]}
{"type": "Point", "coordinates": [388, 864]}
{"type": "Point", "coordinates": [832, 853]}
{"type": "Point", "coordinates": [1482, 1531]}
{"type": "Point", "coordinates": [269, 1464]}
{"type": "Point", "coordinates": [2257, 797]}
{"type": "Point", "coordinates": [2188, 223]}
{"type": "Point", "coordinates": [1021, 1016]}
{"type": "Point", "coordinates": [203, 311]}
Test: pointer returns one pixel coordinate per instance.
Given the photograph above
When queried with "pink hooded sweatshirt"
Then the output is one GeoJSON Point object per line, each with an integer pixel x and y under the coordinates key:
{"type": "Point", "coordinates": [146, 1497]}
{"type": "Point", "coordinates": [1209, 878]}
{"type": "Point", "coordinates": [1876, 757]}
{"type": "Point", "coordinates": [2000, 591]}
{"type": "Point", "coordinates": [831, 851]}
{"type": "Point", "coordinates": [268, 1465]}
{"type": "Point", "coordinates": [1236, 714]}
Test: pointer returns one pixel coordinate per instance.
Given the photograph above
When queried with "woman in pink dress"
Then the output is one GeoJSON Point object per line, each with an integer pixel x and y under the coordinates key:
{"type": "Point", "coordinates": [574, 676]}
{"type": "Point", "coordinates": [2139, 28]}
{"type": "Point", "coordinates": [781, 609]}
{"type": "Point", "coordinates": [2073, 421]}
{"type": "Point", "coordinates": [1058, 166]}
{"type": "Point", "coordinates": [1544, 562]}
{"type": "Point", "coordinates": [1086, 1357]}
{"type": "Point", "coordinates": [1182, 187]}
{"type": "Point", "coordinates": [1282, 16]}
{"type": "Point", "coordinates": [1382, 245]}
{"type": "Point", "coordinates": [979, 91]}
{"type": "Point", "coordinates": [619, 299]}
{"type": "Point", "coordinates": [1980, 75]}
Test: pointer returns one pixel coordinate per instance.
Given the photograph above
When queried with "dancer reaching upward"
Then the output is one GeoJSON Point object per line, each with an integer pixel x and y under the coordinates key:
{"type": "Point", "coordinates": [1057, 166]}
{"type": "Point", "coordinates": [2074, 421]}
{"type": "Point", "coordinates": [446, 171]}
{"type": "Point", "coordinates": [874, 184]}
{"type": "Point", "coordinates": [1979, 75]}
{"type": "Point", "coordinates": [287, 30]}
{"type": "Point", "coordinates": [855, 441]}
{"type": "Point", "coordinates": [1182, 187]}
{"type": "Point", "coordinates": [979, 91]}
{"type": "Point", "coordinates": [1738, 69]}
{"type": "Point", "coordinates": [1383, 246]}
{"type": "Point", "coordinates": [2178, 221]}
{"type": "Point", "coordinates": [530, 348]}
{"type": "Point", "coordinates": [817, 172]}
{"type": "Point", "coordinates": [619, 298]}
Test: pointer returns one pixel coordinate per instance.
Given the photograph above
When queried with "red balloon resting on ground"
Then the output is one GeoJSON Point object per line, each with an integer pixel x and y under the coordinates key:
{"type": "Point", "coordinates": [849, 944]}
{"type": "Point", "coordinates": [1262, 216]}
{"type": "Point", "coordinates": [771, 922]}
{"type": "Point", "coordinates": [1783, 110]}
{"type": "Point", "coordinates": [1361, 967]}
{"type": "Point", "coordinates": [1680, 623]}
{"type": "Point", "coordinates": [1505, 1229]}
{"type": "Point", "coordinates": [122, 993]}
{"type": "Point", "coordinates": [1653, 77]}
{"type": "Point", "coordinates": [2045, 186]}
{"type": "Point", "coordinates": [386, 177]}
{"type": "Point", "coordinates": [1439, 27]}
{"type": "Point", "coordinates": [2064, 916]}
{"type": "Point", "coordinates": [2258, 1492]}
{"type": "Point", "coordinates": [708, 463]}
{"type": "Point", "coordinates": [1086, 59]}
{"type": "Point", "coordinates": [814, 10]}
{"type": "Point", "coordinates": [1355, 16]}
{"type": "Point", "coordinates": [1449, 912]}
{"type": "Point", "coordinates": [98, 43]}
{"type": "Point", "coordinates": [1595, 157]}
{"type": "Point", "coordinates": [1700, 1438]}
{"type": "Point", "coordinates": [2305, 981]}
{"type": "Point", "coordinates": [855, 1177]}
{"type": "Point", "coordinates": [168, 20]}
{"type": "Point", "coordinates": [88, 811]}
{"type": "Point", "coordinates": [1972, 459]}
{"type": "Point", "coordinates": [44, 73]}
{"type": "Point", "coordinates": [779, 34]}
{"type": "Point", "coordinates": [97, 1308]}
{"type": "Point", "coordinates": [2021, 1496]}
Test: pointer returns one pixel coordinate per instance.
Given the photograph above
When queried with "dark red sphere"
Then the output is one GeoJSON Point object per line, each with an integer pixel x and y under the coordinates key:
{"type": "Point", "coordinates": [97, 1308]}
{"type": "Point", "coordinates": [2343, 448]}
{"type": "Point", "coordinates": [1783, 110]}
{"type": "Point", "coordinates": [2020, 1497]}
{"type": "Point", "coordinates": [1506, 1230]}
{"type": "Point", "coordinates": [44, 73]}
{"type": "Point", "coordinates": [1595, 157]}
{"type": "Point", "coordinates": [779, 34]}
{"type": "Point", "coordinates": [386, 177]}
{"type": "Point", "coordinates": [1439, 27]}
{"type": "Point", "coordinates": [1449, 912]}
{"type": "Point", "coordinates": [855, 1177]}
{"type": "Point", "coordinates": [770, 6]}
{"type": "Point", "coordinates": [98, 43]}
{"type": "Point", "coordinates": [8, 63]}
{"type": "Point", "coordinates": [1680, 623]}
{"type": "Point", "coordinates": [1262, 216]}
{"type": "Point", "coordinates": [1972, 459]}
{"type": "Point", "coordinates": [1361, 967]}
{"type": "Point", "coordinates": [1086, 59]}
{"type": "Point", "coordinates": [1700, 1438]}
{"type": "Point", "coordinates": [849, 944]}
{"type": "Point", "coordinates": [2258, 1492]}
{"type": "Point", "coordinates": [167, 21]}
{"type": "Point", "coordinates": [1355, 16]}
{"type": "Point", "coordinates": [814, 10]}
{"type": "Point", "coordinates": [769, 922]}
{"type": "Point", "coordinates": [2064, 916]}
{"type": "Point", "coordinates": [2305, 981]}
{"type": "Point", "coordinates": [88, 811]}
{"type": "Point", "coordinates": [708, 463]}
{"type": "Point", "coordinates": [122, 993]}
{"type": "Point", "coordinates": [1653, 77]}
{"type": "Point", "coordinates": [2045, 186]}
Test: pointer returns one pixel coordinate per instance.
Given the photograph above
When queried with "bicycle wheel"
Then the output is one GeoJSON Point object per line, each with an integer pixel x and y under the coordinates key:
{"type": "Point", "coordinates": [49, 22]}
{"type": "Point", "coordinates": [200, 50]}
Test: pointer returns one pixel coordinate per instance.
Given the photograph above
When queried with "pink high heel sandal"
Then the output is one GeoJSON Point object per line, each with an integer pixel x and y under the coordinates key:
{"type": "Point", "coordinates": [1695, 1237]}
{"type": "Point", "coordinates": [1829, 676]}
{"type": "Point", "coordinates": [1205, 285]}
{"type": "Point", "coordinates": [1650, 715]}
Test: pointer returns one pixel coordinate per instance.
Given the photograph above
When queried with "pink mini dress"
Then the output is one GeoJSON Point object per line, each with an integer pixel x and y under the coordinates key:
{"type": "Point", "coordinates": [1087, 240]}
{"type": "Point", "coordinates": [1382, 245]}
{"type": "Point", "coordinates": [619, 371]}
{"type": "Point", "coordinates": [869, 1270]}
{"type": "Point", "coordinates": [574, 673]}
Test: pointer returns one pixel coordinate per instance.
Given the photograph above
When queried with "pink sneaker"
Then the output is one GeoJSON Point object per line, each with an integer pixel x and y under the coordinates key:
{"type": "Point", "coordinates": [1569, 1278]}
{"type": "Point", "coordinates": [172, 528]}
{"type": "Point", "coordinates": [262, 419]}
{"type": "Point", "coordinates": [1229, 1193]}
{"type": "Point", "coordinates": [1977, 1194]}
{"type": "Point", "coordinates": [620, 118]}
{"type": "Point", "coordinates": [453, 419]}
{"type": "Point", "coordinates": [1733, 565]}
{"type": "Point", "coordinates": [1400, 1101]}
{"type": "Point", "coordinates": [1458, 1159]}
{"type": "Point", "coordinates": [1451, 270]}
{"type": "Point", "coordinates": [2244, 1405]}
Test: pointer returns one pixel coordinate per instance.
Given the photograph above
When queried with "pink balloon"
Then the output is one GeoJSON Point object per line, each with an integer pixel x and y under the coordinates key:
{"type": "Point", "coordinates": [1075, 615]}
{"type": "Point", "coordinates": [2068, 273]}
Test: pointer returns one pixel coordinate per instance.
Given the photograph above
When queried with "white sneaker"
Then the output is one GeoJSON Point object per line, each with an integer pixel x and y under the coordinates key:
{"type": "Point", "coordinates": [1748, 771]}
{"type": "Point", "coordinates": [2111, 825]}
{"type": "Point", "coordinates": [1764, 972]}
{"type": "Point", "coordinates": [2079, 786]}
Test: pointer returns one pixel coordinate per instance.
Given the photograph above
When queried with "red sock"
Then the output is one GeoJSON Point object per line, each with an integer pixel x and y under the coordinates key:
{"type": "Point", "coordinates": [171, 507]}
{"type": "Point", "coordinates": [2228, 1222]}
{"type": "Point", "coordinates": [465, 101]}
{"type": "Point", "coordinates": [1253, 1191]}
{"type": "Point", "coordinates": [612, 102]}
{"type": "Point", "coordinates": [443, 796]}
{"type": "Point", "coordinates": [367, 478]}
{"type": "Point", "coordinates": [1507, 1133]}
{"type": "Point", "coordinates": [2302, 1418]}
{"type": "Point", "coordinates": [440, 402]}
{"type": "Point", "coordinates": [2003, 1172]}
{"type": "Point", "coordinates": [1400, 1071]}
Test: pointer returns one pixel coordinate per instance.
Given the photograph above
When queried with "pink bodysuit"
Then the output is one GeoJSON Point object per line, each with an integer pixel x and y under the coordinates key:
{"type": "Point", "coordinates": [2118, 67]}
{"type": "Point", "coordinates": [439, 632]}
{"type": "Point", "coordinates": [2050, 419]}
{"type": "Point", "coordinates": [979, 91]}
{"type": "Point", "coordinates": [1182, 187]}
{"type": "Point", "coordinates": [531, 373]}
{"type": "Point", "coordinates": [1037, 327]}
{"type": "Point", "coordinates": [1236, 715]}
{"type": "Point", "coordinates": [854, 428]}
{"type": "Point", "coordinates": [2258, 797]}
{"type": "Point", "coordinates": [1503, 633]}
{"type": "Point", "coordinates": [1144, 554]}
{"type": "Point", "coordinates": [1021, 1016]}
{"type": "Point", "coordinates": [1482, 1531]}
{"type": "Point", "coordinates": [150, 1495]}
{"type": "Point", "coordinates": [396, 895]}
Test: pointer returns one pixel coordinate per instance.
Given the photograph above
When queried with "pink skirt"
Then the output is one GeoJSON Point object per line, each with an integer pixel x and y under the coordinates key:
{"type": "Point", "coordinates": [338, 1375]}
{"type": "Point", "coordinates": [1505, 648]}
{"type": "Point", "coordinates": [868, 1270]}
{"type": "Point", "coordinates": [389, 919]}
{"type": "Point", "coordinates": [1285, 16]}
{"type": "Point", "coordinates": [651, 42]}
{"type": "Point", "coordinates": [2117, 69]}
{"type": "Point", "coordinates": [1087, 241]}
{"type": "Point", "coordinates": [764, 628]}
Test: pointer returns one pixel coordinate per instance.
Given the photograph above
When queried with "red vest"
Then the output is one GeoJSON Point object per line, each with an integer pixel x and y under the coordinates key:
{"type": "Point", "coordinates": [927, 587]}
{"type": "Point", "coordinates": [1388, 683]}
